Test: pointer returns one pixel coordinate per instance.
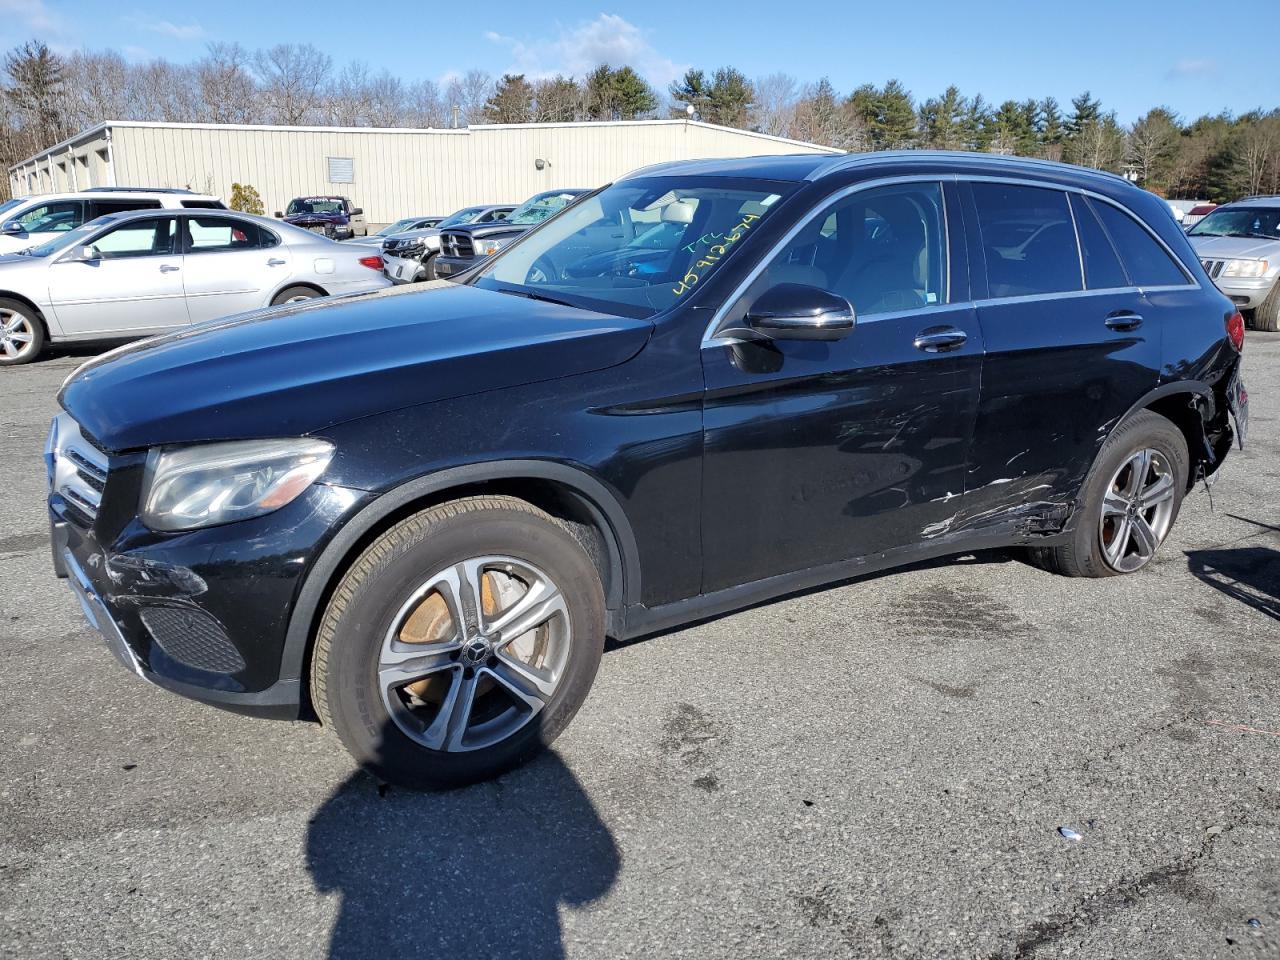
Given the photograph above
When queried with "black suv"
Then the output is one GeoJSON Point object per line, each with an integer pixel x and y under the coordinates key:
{"type": "Point", "coordinates": [468, 245]}
{"type": "Point", "coordinates": [707, 384]}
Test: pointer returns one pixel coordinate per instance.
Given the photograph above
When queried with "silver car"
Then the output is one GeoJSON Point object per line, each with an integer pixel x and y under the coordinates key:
{"type": "Point", "coordinates": [409, 254]}
{"type": "Point", "coordinates": [400, 226]}
{"type": "Point", "coordinates": [1239, 246]}
{"type": "Point", "coordinates": [145, 272]}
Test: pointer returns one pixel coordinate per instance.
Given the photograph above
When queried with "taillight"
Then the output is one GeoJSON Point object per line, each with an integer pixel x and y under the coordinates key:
{"type": "Point", "coordinates": [1235, 330]}
{"type": "Point", "coordinates": [373, 263]}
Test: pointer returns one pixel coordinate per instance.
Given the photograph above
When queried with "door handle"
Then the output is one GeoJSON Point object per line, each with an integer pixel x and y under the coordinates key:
{"type": "Point", "coordinates": [276, 262]}
{"type": "Point", "coordinates": [168, 268]}
{"type": "Point", "coordinates": [940, 339]}
{"type": "Point", "coordinates": [1123, 320]}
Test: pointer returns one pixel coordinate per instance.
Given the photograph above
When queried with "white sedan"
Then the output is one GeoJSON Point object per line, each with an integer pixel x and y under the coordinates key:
{"type": "Point", "coordinates": [146, 272]}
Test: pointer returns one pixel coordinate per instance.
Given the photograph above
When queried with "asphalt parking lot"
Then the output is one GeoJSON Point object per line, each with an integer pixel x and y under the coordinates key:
{"type": "Point", "coordinates": [876, 770]}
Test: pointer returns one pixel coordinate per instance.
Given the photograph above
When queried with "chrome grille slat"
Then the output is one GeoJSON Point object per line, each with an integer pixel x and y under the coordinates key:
{"type": "Point", "coordinates": [79, 468]}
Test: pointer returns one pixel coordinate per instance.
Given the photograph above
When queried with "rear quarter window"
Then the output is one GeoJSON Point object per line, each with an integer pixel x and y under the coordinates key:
{"type": "Point", "coordinates": [1146, 261]}
{"type": "Point", "coordinates": [1102, 267]}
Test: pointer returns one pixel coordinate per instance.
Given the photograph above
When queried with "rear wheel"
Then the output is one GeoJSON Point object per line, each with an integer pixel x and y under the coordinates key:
{"type": "Point", "coordinates": [295, 295]}
{"type": "Point", "coordinates": [1129, 501]}
{"type": "Point", "coordinates": [21, 333]}
{"type": "Point", "coordinates": [460, 643]}
{"type": "Point", "coordinates": [1267, 316]}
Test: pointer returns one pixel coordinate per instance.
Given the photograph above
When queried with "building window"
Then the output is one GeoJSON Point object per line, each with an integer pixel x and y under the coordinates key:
{"type": "Point", "coordinates": [342, 170]}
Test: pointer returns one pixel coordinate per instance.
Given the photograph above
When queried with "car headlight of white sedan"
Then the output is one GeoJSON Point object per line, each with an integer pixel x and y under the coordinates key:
{"type": "Point", "coordinates": [1244, 268]}
{"type": "Point", "coordinates": [213, 483]}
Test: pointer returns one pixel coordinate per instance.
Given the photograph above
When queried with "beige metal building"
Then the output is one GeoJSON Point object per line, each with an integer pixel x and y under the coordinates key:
{"type": "Point", "coordinates": [390, 172]}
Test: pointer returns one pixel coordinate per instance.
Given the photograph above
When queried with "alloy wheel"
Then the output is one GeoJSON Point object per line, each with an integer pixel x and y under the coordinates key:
{"type": "Point", "coordinates": [17, 336]}
{"type": "Point", "coordinates": [474, 654]}
{"type": "Point", "coordinates": [1137, 510]}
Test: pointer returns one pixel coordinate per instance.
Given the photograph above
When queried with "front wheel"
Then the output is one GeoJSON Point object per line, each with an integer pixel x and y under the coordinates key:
{"type": "Point", "coordinates": [460, 643]}
{"type": "Point", "coordinates": [429, 267]}
{"type": "Point", "coordinates": [1267, 316]}
{"type": "Point", "coordinates": [1128, 503]}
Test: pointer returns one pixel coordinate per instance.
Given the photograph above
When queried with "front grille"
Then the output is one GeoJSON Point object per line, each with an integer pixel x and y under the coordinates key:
{"type": "Point", "coordinates": [457, 245]}
{"type": "Point", "coordinates": [77, 468]}
{"type": "Point", "coordinates": [192, 637]}
{"type": "Point", "coordinates": [1213, 267]}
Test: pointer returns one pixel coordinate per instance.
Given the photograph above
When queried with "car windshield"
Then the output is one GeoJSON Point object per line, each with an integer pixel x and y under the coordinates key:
{"type": "Point", "coordinates": [635, 248]}
{"type": "Point", "coordinates": [69, 239]}
{"type": "Point", "coordinates": [461, 217]}
{"type": "Point", "coordinates": [539, 208]}
{"type": "Point", "coordinates": [1260, 222]}
{"type": "Point", "coordinates": [314, 205]}
{"type": "Point", "coordinates": [398, 227]}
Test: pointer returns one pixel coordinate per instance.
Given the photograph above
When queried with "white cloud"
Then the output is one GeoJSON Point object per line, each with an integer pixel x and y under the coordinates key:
{"type": "Point", "coordinates": [32, 14]}
{"type": "Point", "coordinates": [1194, 68]}
{"type": "Point", "coordinates": [167, 28]}
{"type": "Point", "coordinates": [608, 39]}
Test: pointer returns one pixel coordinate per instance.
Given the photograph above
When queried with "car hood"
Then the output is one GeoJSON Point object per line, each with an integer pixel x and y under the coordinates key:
{"type": "Point", "coordinates": [1222, 248]}
{"type": "Point", "coordinates": [301, 369]}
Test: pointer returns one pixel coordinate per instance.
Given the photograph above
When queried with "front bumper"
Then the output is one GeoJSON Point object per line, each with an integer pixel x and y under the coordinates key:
{"type": "Point", "coordinates": [204, 613]}
{"type": "Point", "coordinates": [401, 269]}
{"type": "Point", "coordinates": [447, 268]}
{"type": "Point", "coordinates": [1246, 293]}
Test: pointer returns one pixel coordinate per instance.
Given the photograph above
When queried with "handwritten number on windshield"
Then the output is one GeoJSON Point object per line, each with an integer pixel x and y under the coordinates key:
{"type": "Point", "coordinates": [714, 253]}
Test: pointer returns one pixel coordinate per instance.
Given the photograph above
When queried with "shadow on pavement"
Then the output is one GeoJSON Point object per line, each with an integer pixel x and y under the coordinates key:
{"type": "Point", "coordinates": [1248, 574]}
{"type": "Point", "coordinates": [476, 872]}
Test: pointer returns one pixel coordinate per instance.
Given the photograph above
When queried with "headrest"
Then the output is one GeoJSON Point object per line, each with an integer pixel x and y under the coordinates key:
{"type": "Point", "coordinates": [678, 211]}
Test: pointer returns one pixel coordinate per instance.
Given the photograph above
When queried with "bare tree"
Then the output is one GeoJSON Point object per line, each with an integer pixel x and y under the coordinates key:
{"type": "Point", "coordinates": [423, 106]}
{"type": "Point", "coordinates": [228, 92]}
{"type": "Point", "coordinates": [468, 94]}
{"type": "Point", "coordinates": [1255, 152]}
{"type": "Point", "coordinates": [292, 78]}
{"type": "Point", "coordinates": [97, 89]}
{"type": "Point", "coordinates": [558, 99]}
{"type": "Point", "coordinates": [776, 100]}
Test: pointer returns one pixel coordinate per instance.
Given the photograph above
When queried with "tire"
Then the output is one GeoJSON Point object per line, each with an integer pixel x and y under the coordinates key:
{"type": "Point", "coordinates": [1094, 549]}
{"type": "Point", "coordinates": [22, 335]}
{"type": "Point", "coordinates": [417, 734]}
{"type": "Point", "coordinates": [295, 295]}
{"type": "Point", "coordinates": [429, 267]}
{"type": "Point", "coordinates": [1267, 316]}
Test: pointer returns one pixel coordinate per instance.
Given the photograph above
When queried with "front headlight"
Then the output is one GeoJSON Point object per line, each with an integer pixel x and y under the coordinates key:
{"type": "Point", "coordinates": [213, 483]}
{"type": "Point", "coordinates": [487, 248]}
{"type": "Point", "coordinates": [1244, 268]}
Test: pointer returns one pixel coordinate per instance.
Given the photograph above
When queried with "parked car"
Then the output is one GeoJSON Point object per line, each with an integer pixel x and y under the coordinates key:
{"type": "Point", "coordinates": [400, 226]}
{"type": "Point", "coordinates": [410, 256]}
{"type": "Point", "coordinates": [1196, 214]}
{"type": "Point", "coordinates": [28, 221]}
{"type": "Point", "coordinates": [335, 217]}
{"type": "Point", "coordinates": [1239, 246]}
{"type": "Point", "coordinates": [463, 247]}
{"type": "Point", "coordinates": [139, 273]}
{"type": "Point", "coordinates": [422, 512]}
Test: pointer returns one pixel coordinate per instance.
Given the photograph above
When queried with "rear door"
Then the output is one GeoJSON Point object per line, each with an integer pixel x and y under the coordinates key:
{"type": "Point", "coordinates": [231, 265]}
{"type": "Point", "coordinates": [819, 452]}
{"type": "Point", "coordinates": [1068, 348]}
{"type": "Point", "coordinates": [135, 284]}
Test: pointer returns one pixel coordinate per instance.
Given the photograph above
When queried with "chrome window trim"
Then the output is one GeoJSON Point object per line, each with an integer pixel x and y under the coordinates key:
{"type": "Point", "coordinates": [817, 208]}
{"type": "Point", "coordinates": [1193, 283]}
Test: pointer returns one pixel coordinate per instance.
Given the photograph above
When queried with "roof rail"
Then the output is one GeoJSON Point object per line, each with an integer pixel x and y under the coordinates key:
{"type": "Point", "coordinates": [857, 159]}
{"type": "Point", "coordinates": [135, 190]}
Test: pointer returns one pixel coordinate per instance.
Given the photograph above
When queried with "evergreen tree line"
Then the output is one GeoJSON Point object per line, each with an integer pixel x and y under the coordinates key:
{"type": "Point", "coordinates": [46, 97]}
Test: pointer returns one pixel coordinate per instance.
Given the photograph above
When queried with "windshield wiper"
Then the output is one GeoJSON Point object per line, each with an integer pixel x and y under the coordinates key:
{"type": "Point", "coordinates": [536, 296]}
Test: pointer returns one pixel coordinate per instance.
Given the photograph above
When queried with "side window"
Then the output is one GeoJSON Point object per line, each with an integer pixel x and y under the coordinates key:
{"type": "Point", "coordinates": [137, 238]}
{"type": "Point", "coordinates": [100, 208]}
{"type": "Point", "coordinates": [1148, 263]}
{"type": "Point", "coordinates": [1102, 268]}
{"type": "Point", "coordinates": [56, 217]}
{"type": "Point", "coordinates": [221, 234]}
{"type": "Point", "coordinates": [883, 250]}
{"type": "Point", "coordinates": [1029, 240]}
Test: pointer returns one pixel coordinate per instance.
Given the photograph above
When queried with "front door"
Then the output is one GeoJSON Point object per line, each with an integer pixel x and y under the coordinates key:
{"type": "Point", "coordinates": [1068, 348]}
{"type": "Point", "coordinates": [818, 452]}
{"type": "Point", "coordinates": [41, 223]}
{"type": "Point", "coordinates": [132, 285]}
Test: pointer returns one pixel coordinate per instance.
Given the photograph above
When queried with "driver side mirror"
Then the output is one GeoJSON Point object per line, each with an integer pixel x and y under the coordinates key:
{"type": "Point", "coordinates": [13, 229]}
{"type": "Point", "coordinates": [357, 211]}
{"type": "Point", "coordinates": [279, 215]}
{"type": "Point", "coordinates": [796, 311]}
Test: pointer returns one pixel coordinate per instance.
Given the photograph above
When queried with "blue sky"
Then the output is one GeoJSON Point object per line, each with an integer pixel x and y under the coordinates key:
{"type": "Point", "coordinates": [1132, 55]}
